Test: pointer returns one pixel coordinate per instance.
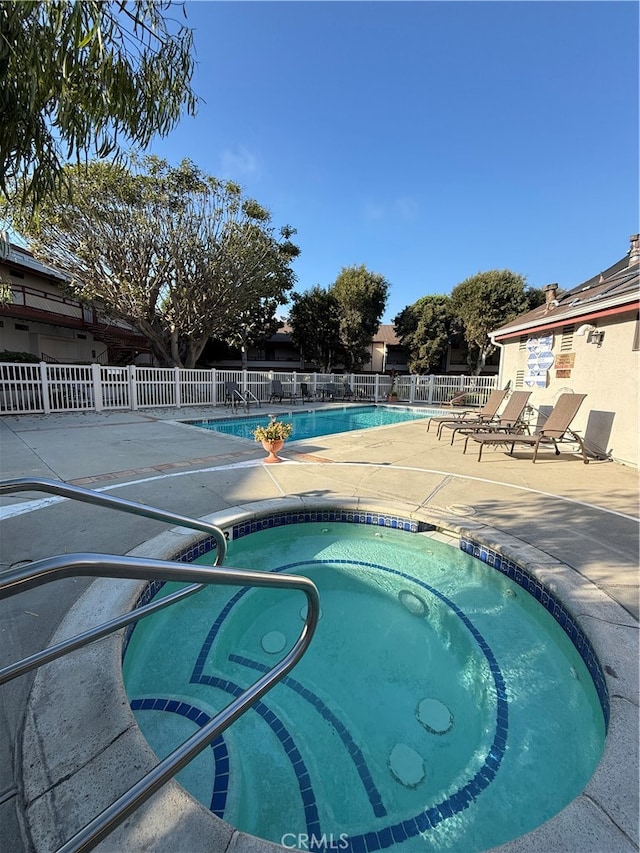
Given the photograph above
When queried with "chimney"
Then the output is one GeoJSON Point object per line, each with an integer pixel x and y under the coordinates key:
{"type": "Point", "coordinates": [634, 251]}
{"type": "Point", "coordinates": [550, 291]}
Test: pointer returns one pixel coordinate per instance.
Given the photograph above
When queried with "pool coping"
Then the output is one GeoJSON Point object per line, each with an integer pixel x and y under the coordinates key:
{"type": "Point", "coordinates": [68, 780]}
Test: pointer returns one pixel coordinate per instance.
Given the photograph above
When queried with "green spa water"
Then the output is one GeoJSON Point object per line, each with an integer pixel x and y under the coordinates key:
{"type": "Point", "coordinates": [439, 707]}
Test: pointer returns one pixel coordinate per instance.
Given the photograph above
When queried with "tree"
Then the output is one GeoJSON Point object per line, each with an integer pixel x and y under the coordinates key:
{"type": "Point", "coordinates": [361, 296]}
{"type": "Point", "coordinates": [253, 326]}
{"type": "Point", "coordinates": [82, 79]}
{"type": "Point", "coordinates": [483, 303]}
{"type": "Point", "coordinates": [315, 327]}
{"type": "Point", "coordinates": [178, 254]}
{"type": "Point", "coordinates": [424, 329]}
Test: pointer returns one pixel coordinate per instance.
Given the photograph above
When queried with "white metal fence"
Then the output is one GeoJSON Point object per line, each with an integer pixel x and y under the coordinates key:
{"type": "Point", "coordinates": [45, 388]}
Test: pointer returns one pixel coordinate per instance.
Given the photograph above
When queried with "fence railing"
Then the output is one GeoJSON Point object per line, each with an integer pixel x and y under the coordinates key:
{"type": "Point", "coordinates": [46, 387]}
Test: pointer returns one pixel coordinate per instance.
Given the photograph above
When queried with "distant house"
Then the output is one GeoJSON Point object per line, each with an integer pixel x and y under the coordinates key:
{"type": "Point", "coordinates": [43, 321]}
{"type": "Point", "coordinates": [387, 353]}
{"type": "Point", "coordinates": [586, 340]}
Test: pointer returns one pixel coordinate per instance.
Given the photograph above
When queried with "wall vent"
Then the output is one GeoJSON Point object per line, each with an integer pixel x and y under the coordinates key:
{"type": "Point", "coordinates": [566, 341]}
{"type": "Point", "coordinates": [519, 379]}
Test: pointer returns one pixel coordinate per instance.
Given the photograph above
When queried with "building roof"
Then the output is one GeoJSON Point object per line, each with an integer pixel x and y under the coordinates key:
{"type": "Point", "coordinates": [386, 334]}
{"type": "Point", "coordinates": [16, 256]}
{"type": "Point", "coordinates": [613, 291]}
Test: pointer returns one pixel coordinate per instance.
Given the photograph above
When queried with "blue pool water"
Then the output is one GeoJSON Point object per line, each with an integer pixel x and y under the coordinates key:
{"type": "Point", "coordinates": [439, 707]}
{"type": "Point", "coordinates": [310, 424]}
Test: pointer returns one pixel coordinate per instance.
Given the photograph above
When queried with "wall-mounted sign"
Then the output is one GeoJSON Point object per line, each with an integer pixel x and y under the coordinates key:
{"type": "Point", "coordinates": [565, 360]}
{"type": "Point", "coordinates": [539, 360]}
{"type": "Point", "coordinates": [563, 374]}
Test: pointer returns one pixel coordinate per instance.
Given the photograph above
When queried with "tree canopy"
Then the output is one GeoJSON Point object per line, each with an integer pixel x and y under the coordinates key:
{"type": "Point", "coordinates": [424, 330]}
{"type": "Point", "coordinates": [315, 327]}
{"type": "Point", "coordinates": [485, 302]}
{"type": "Point", "coordinates": [83, 79]}
{"type": "Point", "coordinates": [178, 254]}
{"type": "Point", "coordinates": [362, 297]}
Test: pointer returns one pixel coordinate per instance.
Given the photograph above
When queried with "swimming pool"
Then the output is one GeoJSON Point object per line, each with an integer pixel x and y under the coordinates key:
{"type": "Point", "coordinates": [313, 423]}
{"type": "Point", "coordinates": [433, 710]}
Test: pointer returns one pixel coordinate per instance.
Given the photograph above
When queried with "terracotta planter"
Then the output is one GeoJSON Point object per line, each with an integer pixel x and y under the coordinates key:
{"type": "Point", "coordinates": [273, 447]}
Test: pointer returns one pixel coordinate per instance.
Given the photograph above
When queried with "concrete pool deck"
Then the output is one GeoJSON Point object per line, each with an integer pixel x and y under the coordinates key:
{"type": "Point", "coordinates": [586, 516]}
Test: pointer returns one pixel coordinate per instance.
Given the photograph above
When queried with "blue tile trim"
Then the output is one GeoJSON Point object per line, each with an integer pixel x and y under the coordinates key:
{"type": "Point", "coordinates": [219, 747]}
{"type": "Point", "coordinates": [460, 799]}
{"type": "Point", "coordinates": [551, 603]}
{"type": "Point", "coordinates": [288, 744]}
{"type": "Point", "coordinates": [353, 749]}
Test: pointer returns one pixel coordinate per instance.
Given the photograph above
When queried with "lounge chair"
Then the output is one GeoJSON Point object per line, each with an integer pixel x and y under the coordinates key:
{"type": "Point", "coordinates": [486, 413]}
{"type": "Point", "coordinates": [278, 393]}
{"type": "Point", "coordinates": [457, 399]}
{"type": "Point", "coordinates": [510, 419]}
{"type": "Point", "coordinates": [554, 430]}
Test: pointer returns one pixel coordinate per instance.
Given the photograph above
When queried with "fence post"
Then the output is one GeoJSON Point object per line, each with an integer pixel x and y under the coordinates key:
{"type": "Point", "coordinates": [176, 382]}
{"type": "Point", "coordinates": [44, 382]}
{"type": "Point", "coordinates": [214, 387]}
{"type": "Point", "coordinates": [412, 388]}
{"type": "Point", "coordinates": [133, 388]}
{"type": "Point", "coordinates": [431, 381]}
{"type": "Point", "coordinates": [97, 387]}
{"type": "Point", "coordinates": [376, 389]}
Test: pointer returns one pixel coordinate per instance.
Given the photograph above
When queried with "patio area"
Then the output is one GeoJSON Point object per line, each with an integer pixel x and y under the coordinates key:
{"type": "Point", "coordinates": [583, 515]}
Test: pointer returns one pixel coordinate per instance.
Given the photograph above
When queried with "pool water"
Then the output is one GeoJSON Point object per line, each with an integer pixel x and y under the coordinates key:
{"type": "Point", "coordinates": [439, 707]}
{"type": "Point", "coordinates": [311, 424]}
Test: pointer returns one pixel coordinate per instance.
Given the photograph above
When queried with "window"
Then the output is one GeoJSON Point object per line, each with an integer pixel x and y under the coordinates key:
{"type": "Point", "coordinates": [636, 334]}
{"type": "Point", "coordinates": [15, 273]}
{"type": "Point", "coordinates": [20, 327]}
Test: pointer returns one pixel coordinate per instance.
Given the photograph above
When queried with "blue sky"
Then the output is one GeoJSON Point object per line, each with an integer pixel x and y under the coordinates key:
{"type": "Point", "coordinates": [427, 140]}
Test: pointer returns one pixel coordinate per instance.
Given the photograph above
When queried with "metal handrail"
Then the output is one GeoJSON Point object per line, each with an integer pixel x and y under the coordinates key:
{"type": "Point", "coordinates": [101, 565]}
{"type": "Point", "coordinates": [57, 487]}
{"type": "Point", "coordinates": [106, 565]}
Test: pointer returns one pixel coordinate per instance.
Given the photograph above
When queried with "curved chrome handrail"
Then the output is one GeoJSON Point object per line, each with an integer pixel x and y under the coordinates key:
{"type": "Point", "coordinates": [57, 487]}
{"type": "Point", "coordinates": [104, 565]}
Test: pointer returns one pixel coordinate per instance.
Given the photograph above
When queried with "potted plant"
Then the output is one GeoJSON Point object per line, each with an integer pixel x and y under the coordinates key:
{"type": "Point", "coordinates": [273, 437]}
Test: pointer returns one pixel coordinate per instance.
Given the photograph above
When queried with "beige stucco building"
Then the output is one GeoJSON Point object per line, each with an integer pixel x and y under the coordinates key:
{"type": "Point", "coordinates": [587, 341]}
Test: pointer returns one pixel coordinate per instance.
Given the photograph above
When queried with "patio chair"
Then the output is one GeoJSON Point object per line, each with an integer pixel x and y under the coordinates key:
{"type": "Point", "coordinates": [305, 392]}
{"type": "Point", "coordinates": [510, 419]}
{"type": "Point", "coordinates": [483, 415]}
{"type": "Point", "coordinates": [278, 393]}
{"type": "Point", "coordinates": [233, 395]}
{"type": "Point", "coordinates": [554, 430]}
{"type": "Point", "coordinates": [347, 392]}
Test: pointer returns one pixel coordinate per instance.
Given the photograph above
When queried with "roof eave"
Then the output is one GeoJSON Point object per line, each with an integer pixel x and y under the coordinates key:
{"type": "Point", "coordinates": [614, 306]}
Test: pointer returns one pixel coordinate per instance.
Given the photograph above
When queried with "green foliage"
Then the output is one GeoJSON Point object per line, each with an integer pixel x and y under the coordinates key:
{"type": "Point", "coordinates": [361, 296]}
{"type": "Point", "coordinates": [275, 431]}
{"type": "Point", "coordinates": [83, 79]}
{"type": "Point", "coordinates": [253, 326]}
{"type": "Point", "coordinates": [424, 330]}
{"type": "Point", "coordinates": [173, 251]}
{"type": "Point", "coordinates": [18, 357]}
{"type": "Point", "coordinates": [485, 302]}
{"type": "Point", "coordinates": [315, 327]}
